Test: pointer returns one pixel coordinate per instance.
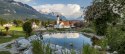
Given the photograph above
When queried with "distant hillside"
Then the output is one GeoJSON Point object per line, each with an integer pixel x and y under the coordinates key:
{"type": "Point", "coordinates": [12, 10]}
{"type": "Point", "coordinates": [9, 9]}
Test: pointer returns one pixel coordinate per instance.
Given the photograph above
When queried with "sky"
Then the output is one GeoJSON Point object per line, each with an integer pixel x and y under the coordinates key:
{"type": "Point", "coordinates": [69, 8]}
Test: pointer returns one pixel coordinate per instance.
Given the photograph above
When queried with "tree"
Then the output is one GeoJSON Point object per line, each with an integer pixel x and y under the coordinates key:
{"type": "Point", "coordinates": [48, 22]}
{"type": "Point", "coordinates": [35, 20]}
{"type": "Point", "coordinates": [109, 12]}
{"type": "Point", "coordinates": [2, 21]}
{"type": "Point", "coordinates": [7, 29]}
{"type": "Point", "coordinates": [18, 22]}
{"type": "Point", "coordinates": [27, 28]}
{"type": "Point", "coordinates": [101, 13]}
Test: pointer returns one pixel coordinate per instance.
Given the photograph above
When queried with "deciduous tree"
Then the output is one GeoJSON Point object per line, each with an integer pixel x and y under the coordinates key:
{"type": "Point", "coordinates": [27, 28]}
{"type": "Point", "coordinates": [101, 13]}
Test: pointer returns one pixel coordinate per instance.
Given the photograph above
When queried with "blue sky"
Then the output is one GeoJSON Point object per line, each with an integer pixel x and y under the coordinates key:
{"type": "Point", "coordinates": [71, 9]}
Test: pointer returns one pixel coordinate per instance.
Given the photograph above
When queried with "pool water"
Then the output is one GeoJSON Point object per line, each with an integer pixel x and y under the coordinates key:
{"type": "Point", "coordinates": [67, 40]}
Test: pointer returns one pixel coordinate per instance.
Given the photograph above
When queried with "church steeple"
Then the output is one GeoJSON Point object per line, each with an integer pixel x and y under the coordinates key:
{"type": "Point", "coordinates": [58, 19]}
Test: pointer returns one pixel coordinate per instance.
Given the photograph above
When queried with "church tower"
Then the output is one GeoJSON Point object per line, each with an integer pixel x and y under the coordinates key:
{"type": "Point", "coordinates": [58, 20]}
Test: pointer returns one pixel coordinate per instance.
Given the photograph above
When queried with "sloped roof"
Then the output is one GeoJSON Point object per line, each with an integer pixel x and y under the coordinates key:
{"type": "Point", "coordinates": [69, 23]}
{"type": "Point", "coordinates": [66, 23]}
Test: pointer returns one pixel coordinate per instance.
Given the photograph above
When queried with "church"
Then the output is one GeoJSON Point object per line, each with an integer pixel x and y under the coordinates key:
{"type": "Point", "coordinates": [63, 24]}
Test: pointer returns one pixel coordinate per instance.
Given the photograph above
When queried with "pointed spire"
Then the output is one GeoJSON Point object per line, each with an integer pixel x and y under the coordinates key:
{"type": "Point", "coordinates": [58, 16]}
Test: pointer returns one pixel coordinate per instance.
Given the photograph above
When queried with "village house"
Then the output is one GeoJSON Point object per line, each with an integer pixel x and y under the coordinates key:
{"type": "Point", "coordinates": [8, 25]}
{"type": "Point", "coordinates": [34, 25]}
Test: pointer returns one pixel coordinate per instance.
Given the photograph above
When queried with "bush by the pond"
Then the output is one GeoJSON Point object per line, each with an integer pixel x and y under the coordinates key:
{"type": "Point", "coordinates": [95, 41]}
{"type": "Point", "coordinates": [3, 34]}
{"type": "Point", "coordinates": [39, 48]}
{"type": "Point", "coordinates": [27, 28]}
{"type": "Point", "coordinates": [87, 49]}
{"type": "Point", "coordinates": [116, 39]}
{"type": "Point", "coordinates": [73, 51]}
{"type": "Point", "coordinates": [88, 30]}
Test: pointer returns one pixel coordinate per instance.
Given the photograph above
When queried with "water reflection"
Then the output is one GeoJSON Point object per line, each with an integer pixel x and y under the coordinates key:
{"type": "Point", "coordinates": [68, 40]}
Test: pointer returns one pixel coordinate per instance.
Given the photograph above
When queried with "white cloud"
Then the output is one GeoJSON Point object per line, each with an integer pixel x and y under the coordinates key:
{"type": "Point", "coordinates": [23, 1]}
{"type": "Point", "coordinates": [69, 10]}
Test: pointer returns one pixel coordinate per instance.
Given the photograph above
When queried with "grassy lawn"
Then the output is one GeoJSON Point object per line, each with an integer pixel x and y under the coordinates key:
{"type": "Point", "coordinates": [4, 52]}
{"type": "Point", "coordinates": [12, 28]}
{"type": "Point", "coordinates": [15, 32]}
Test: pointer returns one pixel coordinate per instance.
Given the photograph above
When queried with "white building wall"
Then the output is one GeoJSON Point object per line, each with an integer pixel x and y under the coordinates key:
{"type": "Point", "coordinates": [58, 20]}
{"type": "Point", "coordinates": [66, 26]}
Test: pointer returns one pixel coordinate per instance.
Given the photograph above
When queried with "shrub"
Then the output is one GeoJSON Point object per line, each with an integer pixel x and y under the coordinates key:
{"type": "Point", "coordinates": [2, 34]}
{"type": "Point", "coordinates": [37, 47]}
{"type": "Point", "coordinates": [18, 22]}
{"type": "Point", "coordinates": [87, 49]}
{"type": "Point", "coordinates": [121, 48]}
{"type": "Point", "coordinates": [116, 40]}
{"type": "Point", "coordinates": [88, 30]}
{"type": "Point", "coordinates": [27, 27]}
{"type": "Point", "coordinates": [3, 21]}
{"type": "Point", "coordinates": [72, 51]}
{"type": "Point", "coordinates": [47, 48]}
{"type": "Point", "coordinates": [37, 21]}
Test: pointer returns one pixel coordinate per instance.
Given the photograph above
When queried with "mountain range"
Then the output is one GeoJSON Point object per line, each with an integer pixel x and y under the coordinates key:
{"type": "Point", "coordinates": [10, 9]}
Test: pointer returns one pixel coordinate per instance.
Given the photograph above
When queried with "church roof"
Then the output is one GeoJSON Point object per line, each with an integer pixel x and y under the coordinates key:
{"type": "Point", "coordinates": [66, 23]}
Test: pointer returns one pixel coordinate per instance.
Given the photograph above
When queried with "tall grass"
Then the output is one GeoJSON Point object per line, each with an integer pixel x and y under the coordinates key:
{"type": "Point", "coordinates": [40, 48]}
{"type": "Point", "coordinates": [87, 49]}
{"type": "Point", "coordinates": [73, 51]}
{"type": "Point", "coordinates": [37, 47]}
{"type": "Point", "coordinates": [47, 48]}
{"type": "Point", "coordinates": [88, 30]}
{"type": "Point", "coordinates": [5, 52]}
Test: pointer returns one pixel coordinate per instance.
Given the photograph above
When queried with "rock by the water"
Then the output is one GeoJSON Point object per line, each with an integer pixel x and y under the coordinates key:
{"type": "Point", "coordinates": [29, 51]}
{"type": "Point", "coordinates": [34, 37]}
{"type": "Point", "coordinates": [23, 46]}
{"type": "Point", "coordinates": [22, 43]}
{"type": "Point", "coordinates": [97, 47]}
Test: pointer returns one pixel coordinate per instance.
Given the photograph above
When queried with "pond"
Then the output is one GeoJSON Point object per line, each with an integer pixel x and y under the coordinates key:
{"type": "Point", "coordinates": [67, 40]}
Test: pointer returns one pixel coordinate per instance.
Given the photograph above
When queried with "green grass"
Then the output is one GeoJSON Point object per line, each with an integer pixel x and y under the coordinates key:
{"type": "Point", "coordinates": [4, 52]}
{"type": "Point", "coordinates": [87, 49]}
{"type": "Point", "coordinates": [3, 39]}
{"type": "Point", "coordinates": [16, 28]}
{"type": "Point", "coordinates": [40, 48]}
{"type": "Point", "coordinates": [15, 32]}
{"type": "Point", "coordinates": [13, 28]}
{"type": "Point", "coordinates": [87, 30]}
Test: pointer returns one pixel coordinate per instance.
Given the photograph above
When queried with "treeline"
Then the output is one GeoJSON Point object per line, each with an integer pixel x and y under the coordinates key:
{"type": "Point", "coordinates": [20, 22]}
